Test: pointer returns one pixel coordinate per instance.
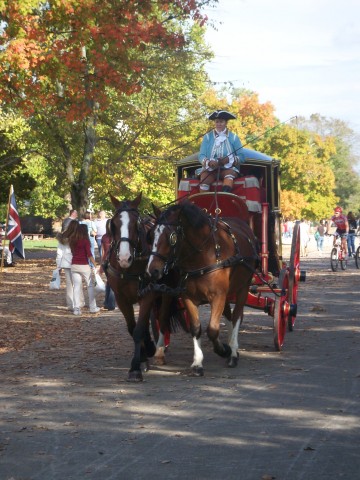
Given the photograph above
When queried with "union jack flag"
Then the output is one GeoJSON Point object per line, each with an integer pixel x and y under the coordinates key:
{"type": "Point", "coordinates": [14, 228]}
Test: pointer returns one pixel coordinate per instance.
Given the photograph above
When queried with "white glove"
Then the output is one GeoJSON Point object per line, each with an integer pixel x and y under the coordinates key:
{"type": "Point", "coordinates": [231, 159]}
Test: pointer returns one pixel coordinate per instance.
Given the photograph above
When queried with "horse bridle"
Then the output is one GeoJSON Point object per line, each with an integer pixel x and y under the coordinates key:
{"type": "Point", "coordinates": [170, 260]}
{"type": "Point", "coordinates": [132, 243]}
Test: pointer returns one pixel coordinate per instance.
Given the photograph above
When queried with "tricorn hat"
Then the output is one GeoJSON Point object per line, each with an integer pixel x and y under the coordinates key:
{"type": "Point", "coordinates": [222, 114]}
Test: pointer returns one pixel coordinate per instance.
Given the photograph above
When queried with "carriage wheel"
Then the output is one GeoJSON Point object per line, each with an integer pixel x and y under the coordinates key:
{"type": "Point", "coordinates": [280, 319]}
{"type": "Point", "coordinates": [294, 274]}
{"type": "Point", "coordinates": [334, 260]}
{"type": "Point", "coordinates": [357, 258]}
{"type": "Point", "coordinates": [281, 311]}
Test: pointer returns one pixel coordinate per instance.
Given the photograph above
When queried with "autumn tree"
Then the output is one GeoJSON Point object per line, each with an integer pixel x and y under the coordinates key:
{"type": "Point", "coordinates": [64, 63]}
{"type": "Point", "coordinates": [14, 147]}
{"type": "Point", "coordinates": [344, 162]}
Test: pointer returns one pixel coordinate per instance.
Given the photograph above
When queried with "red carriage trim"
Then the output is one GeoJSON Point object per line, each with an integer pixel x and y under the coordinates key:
{"type": "Point", "coordinates": [247, 188]}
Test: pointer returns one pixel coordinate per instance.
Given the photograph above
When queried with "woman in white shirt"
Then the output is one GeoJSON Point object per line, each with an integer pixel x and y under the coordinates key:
{"type": "Point", "coordinates": [64, 259]}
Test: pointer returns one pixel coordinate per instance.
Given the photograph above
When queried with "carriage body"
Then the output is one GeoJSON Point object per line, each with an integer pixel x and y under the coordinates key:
{"type": "Point", "coordinates": [255, 198]}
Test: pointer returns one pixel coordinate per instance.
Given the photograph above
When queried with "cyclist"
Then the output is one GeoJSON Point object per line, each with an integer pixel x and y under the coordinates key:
{"type": "Point", "coordinates": [342, 227]}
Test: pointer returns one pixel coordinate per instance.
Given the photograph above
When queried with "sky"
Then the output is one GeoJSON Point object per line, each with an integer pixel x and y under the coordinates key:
{"type": "Point", "coordinates": [303, 56]}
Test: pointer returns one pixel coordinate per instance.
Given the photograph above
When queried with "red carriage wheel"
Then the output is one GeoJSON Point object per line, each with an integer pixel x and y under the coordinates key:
{"type": "Point", "coordinates": [281, 310]}
{"type": "Point", "coordinates": [294, 275]}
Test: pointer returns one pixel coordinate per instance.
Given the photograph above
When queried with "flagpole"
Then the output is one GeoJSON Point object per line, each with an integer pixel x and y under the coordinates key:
{"type": "Point", "coordinates": [6, 225]}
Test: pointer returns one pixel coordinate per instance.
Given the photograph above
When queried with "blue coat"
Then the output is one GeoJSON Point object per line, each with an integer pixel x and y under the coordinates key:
{"type": "Point", "coordinates": [232, 145]}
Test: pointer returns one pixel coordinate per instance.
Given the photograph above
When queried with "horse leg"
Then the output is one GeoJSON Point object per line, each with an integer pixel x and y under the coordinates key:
{"type": "Point", "coordinates": [164, 328]}
{"type": "Point", "coordinates": [195, 330]}
{"type": "Point", "coordinates": [237, 319]}
{"type": "Point", "coordinates": [147, 347]}
{"type": "Point", "coordinates": [227, 312]}
{"type": "Point", "coordinates": [159, 357]}
{"type": "Point", "coordinates": [126, 307]}
{"type": "Point", "coordinates": [213, 330]}
{"type": "Point", "coordinates": [141, 337]}
{"type": "Point", "coordinates": [197, 365]}
{"type": "Point", "coordinates": [233, 338]}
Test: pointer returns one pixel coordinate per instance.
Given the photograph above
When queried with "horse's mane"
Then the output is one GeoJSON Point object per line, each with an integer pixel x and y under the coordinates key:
{"type": "Point", "coordinates": [125, 205]}
{"type": "Point", "coordinates": [195, 216]}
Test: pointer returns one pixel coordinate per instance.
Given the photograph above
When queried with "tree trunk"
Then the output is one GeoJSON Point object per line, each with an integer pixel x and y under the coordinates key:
{"type": "Point", "coordinates": [79, 187]}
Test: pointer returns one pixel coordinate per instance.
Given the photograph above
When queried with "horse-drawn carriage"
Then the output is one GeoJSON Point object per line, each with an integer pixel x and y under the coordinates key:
{"type": "Point", "coordinates": [256, 199]}
{"type": "Point", "coordinates": [208, 247]}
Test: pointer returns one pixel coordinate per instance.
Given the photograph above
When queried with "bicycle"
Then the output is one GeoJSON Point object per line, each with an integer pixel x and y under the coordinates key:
{"type": "Point", "coordinates": [357, 257]}
{"type": "Point", "coordinates": [338, 255]}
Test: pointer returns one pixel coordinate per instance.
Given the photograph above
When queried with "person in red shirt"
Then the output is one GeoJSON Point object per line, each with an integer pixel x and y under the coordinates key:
{"type": "Point", "coordinates": [342, 227]}
{"type": "Point", "coordinates": [81, 267]}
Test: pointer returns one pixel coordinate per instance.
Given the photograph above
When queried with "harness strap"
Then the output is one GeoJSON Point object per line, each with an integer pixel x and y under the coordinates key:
{"type": "Point", "coordinates": [123, 275]}
{"type": "Point", "coordinates": [229, 262]}
{"type": "Point", "coordinates": [162, 289]}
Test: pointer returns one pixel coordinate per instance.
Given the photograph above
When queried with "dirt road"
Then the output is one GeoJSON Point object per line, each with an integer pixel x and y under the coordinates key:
{"type": "Point", "coordinates": [67, 411]}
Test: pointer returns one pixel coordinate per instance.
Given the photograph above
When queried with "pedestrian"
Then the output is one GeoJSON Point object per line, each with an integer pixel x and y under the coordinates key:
{"type": "Point", "coordinates": [351, 235]}
{"type": "Point", "coordinates": [64, 259]}
{"type": "Point", "coordinates": [100, 224]}
{"type": "Point", "coordinates": [304, 237]}
{"type": "Point", "coordinates": [285, 229]}
{"type": "Point", "coordinates": [4, 251]}
{"type": "Point", "coordinates": [290, 227]}
{"type": "Point", "coordinates": [109, 302]}
{"type": "Point", "coordinates": [220, 153]}
{"type": "Point", "coordinates": [72, 216]}
{"type": "Point", "coordinates": [319, 236]}
{"type": "Point", "coordinates": [90, 225]}
{"type": "Point", "coordinates": [80, 268]}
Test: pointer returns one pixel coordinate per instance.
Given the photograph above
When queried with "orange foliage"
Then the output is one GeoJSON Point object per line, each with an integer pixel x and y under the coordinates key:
{"type": "Point", "coordinates": [292, 204]}
{"type": "Point", "coordinates": [84, 45]}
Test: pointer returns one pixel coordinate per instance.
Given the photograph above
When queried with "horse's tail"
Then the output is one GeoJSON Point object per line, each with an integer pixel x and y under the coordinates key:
{"type": "Point", "coordinates": [176, 317]}
{"type": "Point", "coordinates": [180, 315]}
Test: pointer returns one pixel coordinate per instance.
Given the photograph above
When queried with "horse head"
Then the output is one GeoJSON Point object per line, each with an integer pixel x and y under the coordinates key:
{"type": "Point", "coordinates": [166, 238]}
{"type": "Point", "coordinates": [185, 235]}
{"type": "Point", "coordinates": [125, 226]}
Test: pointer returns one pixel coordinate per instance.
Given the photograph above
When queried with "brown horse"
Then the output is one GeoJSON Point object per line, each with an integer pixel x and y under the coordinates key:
{"type": "Point", "coordinates": [216, 259]}
{"type": "Point", "coordinates": [126, 263]}
{"type": "Point", "coordinates": [125, 270]}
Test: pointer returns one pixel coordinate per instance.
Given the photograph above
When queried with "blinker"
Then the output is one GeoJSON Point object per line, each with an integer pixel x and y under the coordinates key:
{"type": "Point", "coordinates": [173, 239]}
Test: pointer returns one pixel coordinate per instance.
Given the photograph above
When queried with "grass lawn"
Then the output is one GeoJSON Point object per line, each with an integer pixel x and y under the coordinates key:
{"type": "Point", "coordinates": [41, 244]}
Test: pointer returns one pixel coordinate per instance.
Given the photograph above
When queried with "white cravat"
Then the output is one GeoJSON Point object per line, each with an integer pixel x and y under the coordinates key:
{"type": "Point", "coordinates": [220, 138]}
